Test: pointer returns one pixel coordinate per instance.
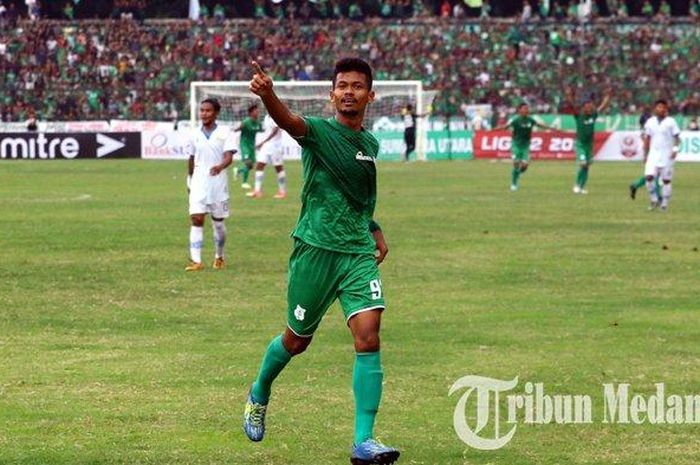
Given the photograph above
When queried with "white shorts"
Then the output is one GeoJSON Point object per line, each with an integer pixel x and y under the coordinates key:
{"type": "Point", "coordinates": [217, 210]}
{"type": "Point", "coordinates": [656, 168]}
{"type": "Point", "coordinates": [271, 155]}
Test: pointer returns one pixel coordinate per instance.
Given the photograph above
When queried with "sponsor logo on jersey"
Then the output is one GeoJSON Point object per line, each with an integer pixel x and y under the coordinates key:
{"type": "Point", "coordinates": [363, 157]}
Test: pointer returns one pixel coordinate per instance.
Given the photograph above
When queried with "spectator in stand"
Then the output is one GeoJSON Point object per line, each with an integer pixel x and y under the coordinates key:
{"type": "Point", "coordinates": [693, 124]}
{"type": "Point", "coordinates": [69, 11]}
{"type": "Point", "coordinates": [128, 9]}
{"type": "Point", "coordinates": [32, 122]}
{"type": "Point", "coordinates": [445, 9]}
{"type": "Point", "coordinates": [219, 12]}
{"type": "Point", "coordinates": [33, 9]}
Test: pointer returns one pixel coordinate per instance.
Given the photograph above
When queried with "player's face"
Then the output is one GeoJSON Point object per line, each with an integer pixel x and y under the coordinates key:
{"type": "Point", "coordinates": [588, 108]}
{"type": "Point", "coordinates": [207, 113]}
{"type": "Point", "coordinates": [524, 110]}
{"type": "Point", "coordinates": [661, 110]}
{"type": "Point", "coordinates": [255, 114]}
{"type": "Point", "coordinates": [351, 93]}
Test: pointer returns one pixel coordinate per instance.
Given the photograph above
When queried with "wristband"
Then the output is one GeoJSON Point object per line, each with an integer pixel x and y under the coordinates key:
{"type": "Point", "coordinates": [189, 180]}
{"type": "Point", "coordinates": [676, 149]}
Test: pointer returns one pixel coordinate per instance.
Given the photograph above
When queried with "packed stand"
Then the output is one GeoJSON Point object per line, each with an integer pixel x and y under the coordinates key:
{"type": "Point", "coordinates": [131, 70]}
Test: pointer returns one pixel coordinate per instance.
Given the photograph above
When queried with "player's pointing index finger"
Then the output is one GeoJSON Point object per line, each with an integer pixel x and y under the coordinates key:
{"type": "Point", "coordinates": [256, 67]}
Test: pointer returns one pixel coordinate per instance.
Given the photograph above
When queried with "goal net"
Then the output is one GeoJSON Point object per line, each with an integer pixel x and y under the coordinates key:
{"type": "Point", "coordinates": [311, 98]}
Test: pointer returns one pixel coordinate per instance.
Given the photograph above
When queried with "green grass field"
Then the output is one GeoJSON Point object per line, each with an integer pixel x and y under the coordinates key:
{"type": "Point", "coordinates": [110, 353]}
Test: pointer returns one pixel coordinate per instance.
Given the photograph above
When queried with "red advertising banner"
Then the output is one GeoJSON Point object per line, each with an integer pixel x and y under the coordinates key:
{"type": "Point", "coordinates": [543, 145]}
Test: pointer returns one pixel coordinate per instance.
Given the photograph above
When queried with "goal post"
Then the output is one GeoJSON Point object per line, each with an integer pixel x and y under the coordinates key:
{"type": "Point", "coordinates": [311, 98]}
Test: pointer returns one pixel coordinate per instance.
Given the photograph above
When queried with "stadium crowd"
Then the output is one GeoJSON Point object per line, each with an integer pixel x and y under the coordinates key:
{"type": "Point", "coordinates": [355, 9]}
{"type": "Point", "coordinates": [141, 70]}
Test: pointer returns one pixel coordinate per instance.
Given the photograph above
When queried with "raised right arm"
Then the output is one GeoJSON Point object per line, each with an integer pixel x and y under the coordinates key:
{"type": "Point", "coordinates": [261, 85]}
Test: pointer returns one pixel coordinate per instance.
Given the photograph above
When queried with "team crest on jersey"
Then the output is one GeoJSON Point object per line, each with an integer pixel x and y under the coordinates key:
{"type": "Point", "coordinates": [299, 313]}
{"type": "Point", "coordinates": [363, 157]}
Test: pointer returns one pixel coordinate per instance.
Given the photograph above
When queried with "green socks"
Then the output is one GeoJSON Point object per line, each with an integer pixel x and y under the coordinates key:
{"type": "Point", "coordinates": [274, 361]}
{"type": "Point", "coordinates": [641, 182]}
{"type": "Point", "coordinates": [582, 177]}
{"type": "Point", "coordinates": [367, 386]}
{"type": "Point", "coordinates": [245, 172]}
{"type": "Point", "coordinates": [515, 176]}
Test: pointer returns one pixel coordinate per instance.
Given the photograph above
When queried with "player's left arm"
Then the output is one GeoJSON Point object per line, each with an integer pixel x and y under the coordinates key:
{"type": "Point", "coordinates": [225, 163]}
{"type": "Point", "coordinates": [268, 138]}
{"type": "Point", "coordinates": [605, 102]}
{"type": "Point", "coordinates": [548, 128]}
{"type": "Point", "coordinates": [508, 124]}
{"type": "Point", "coordinates": [676, 145]}
{"type": "Point", "coordinates": [676, 133]}
{"type": "Point", "coordinates": [381, 247]}
{"type": "Point", "coordinates": [646, 139]}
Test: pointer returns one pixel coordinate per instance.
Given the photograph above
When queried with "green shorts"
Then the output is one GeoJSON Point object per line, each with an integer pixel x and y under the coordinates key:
{"type": "Point", "coordinates": [318, 276]}
{"type": "Point", "coordinates": [521, 153]}
{"type": "Point", "coordinates": [584, 152]}
{"type": "Point", "coordinates": [247, 154]}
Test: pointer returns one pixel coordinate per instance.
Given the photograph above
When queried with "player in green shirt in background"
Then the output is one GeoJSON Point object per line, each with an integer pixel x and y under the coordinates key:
{"type": "Point", "coordinates": [335, 241]}
{"type": "Point", "coordinates": [522, 125]}
{"type": "Point", "coordinates": [249, 127]}
{"type": "Point", "coordinates": [585, 135]}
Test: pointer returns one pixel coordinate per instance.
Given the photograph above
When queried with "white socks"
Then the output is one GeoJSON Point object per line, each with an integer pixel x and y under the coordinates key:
{"type": "Point", "coordinates": [196, 239]}
{"type": "Point", "coordinates": [651, 187]}
{"type": "Point", "coordinates": [282, 181]}
{"type": "Point", "coordinates": [665, 194]}
{"type": "Point", "coordinates": [259, 176]}
{"type": "Point", "coordinates": [220, 234]}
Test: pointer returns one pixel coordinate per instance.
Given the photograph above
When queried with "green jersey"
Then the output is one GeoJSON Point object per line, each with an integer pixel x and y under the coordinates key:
{"type": "Point", "coordinates": [522, 130]}
{"type": "Point", "coordinates": [340, 187]}
{"type": "Point", "coordinates": [249, 127]}
{"type": "Point", "coordinates": [585, 128]}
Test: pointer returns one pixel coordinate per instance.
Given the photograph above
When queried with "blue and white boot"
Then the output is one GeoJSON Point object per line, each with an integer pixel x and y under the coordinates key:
{"type": "Point", "coordinates": [371, 452]}
{"type": "Point", "coordinates": [254, 419]}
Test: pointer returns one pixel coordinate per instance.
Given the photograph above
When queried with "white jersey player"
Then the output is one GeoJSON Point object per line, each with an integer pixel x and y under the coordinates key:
{"type": "Point", "coordinates": [211, 152]}
{"type": "Point", "coordinates": [270, 152]}
{"type": "Point", "coordinates": [661, 145]}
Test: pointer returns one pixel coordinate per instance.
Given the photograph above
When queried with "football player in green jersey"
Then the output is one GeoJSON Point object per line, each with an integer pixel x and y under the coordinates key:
{"type": "Point", "coordinates": [249, 128]}
{"type": "Point", "coordinates": [585, 134]}
{"type": "Point", "coordinates": [337, 249]}
{"type": "Point", "coordinates": [522, 125]}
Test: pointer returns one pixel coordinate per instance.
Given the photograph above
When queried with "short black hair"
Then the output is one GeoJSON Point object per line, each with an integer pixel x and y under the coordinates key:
{"type": "Point", "coordinates": [252, 108]}
{"type": "Point", "coordinates": [409, 107]}
{"type": "Point", "coordinates": [346, 65]}
{"type": "Point", "coordinates": [213, 102]}
{"type": "Point", "coordinates": [522, 104]}
{"type": "Point", "coordinates": [663, 101]}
